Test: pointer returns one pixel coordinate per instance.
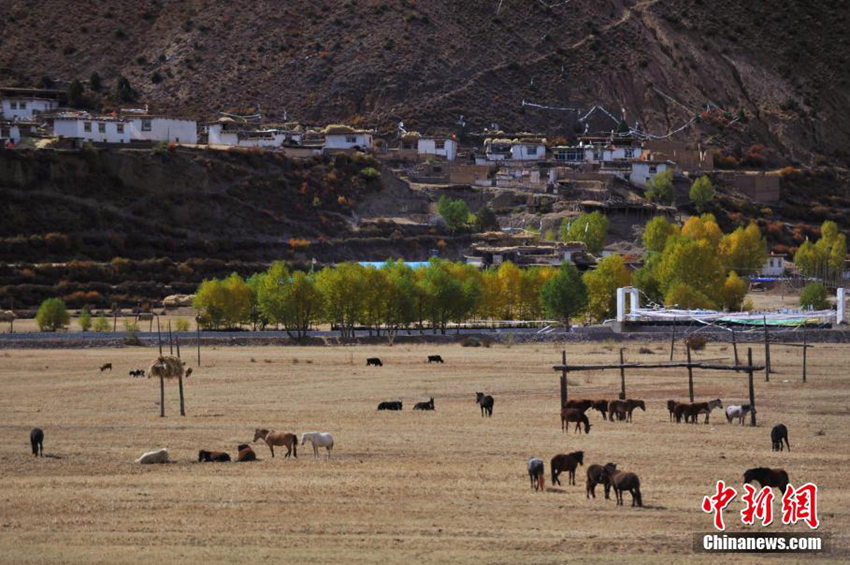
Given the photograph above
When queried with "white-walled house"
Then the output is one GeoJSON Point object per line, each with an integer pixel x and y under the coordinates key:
{"type": "Point", "coordinates": [532, 150]}
{"type": "Point", "coordinates": [774, 266]}
{"type": "Point", "coordinates": [23, 104]}
{"type": "Point", "coordinates": [439, 146]}
{"type": "Point", "coordinates": [345, 138]}
{"type": "Point", "coordinates": [125, 129]}
{"type": "Point", "coordinates": [644, 171]}
{"type": "Point", "coordinates": [228, 135]}
{"type": "Point", "coordinates": [10, 131]}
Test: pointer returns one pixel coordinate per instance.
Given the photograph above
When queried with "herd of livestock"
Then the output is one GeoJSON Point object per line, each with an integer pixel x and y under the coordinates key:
{"type": "Point", "coordinates": [573, 411]}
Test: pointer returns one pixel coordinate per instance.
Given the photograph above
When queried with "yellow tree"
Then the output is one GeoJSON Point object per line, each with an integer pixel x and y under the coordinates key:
{"type": "Point", "coordinates": [744, 250]}
{"type": "Point", "coordinates": [703, 227]}
{"type": "Point", "coordinates": [509, 285]}
{"type": "Point", "coordinates": [657, 230]}
{"type": "Point", "coordinates": [694, 263]}
{"type": "Point", "coordinates": [602, 284]}
{"type": "Point", "coordinates": [733, 292]}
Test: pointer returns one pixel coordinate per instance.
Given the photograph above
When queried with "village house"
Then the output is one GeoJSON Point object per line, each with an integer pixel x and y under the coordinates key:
{"type": "Point", "coordinates": [774, 266]}
{"type": "Point", "coordinates": [644, 171]}
{"type": "Point", "coordinates": [124, 128]}
{"type": "Point", "coordinates": [10, 132]}
{"type": "Point", "coordinates": [23, 104]}
{"type": "Point", "coordinates": [230, 133]}
{"type": "Point", "coordinates": [438, 146]}
{"type": "Point", "coordinates": [521, 147]}
{"type": "Point", "coordinates": [542, 254]}
{"type": "Point", "coordinates": [346, 138]}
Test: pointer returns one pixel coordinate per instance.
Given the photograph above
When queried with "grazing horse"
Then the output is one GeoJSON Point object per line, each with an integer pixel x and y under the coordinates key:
{"type": "Point", "coordinates": [390, 405]}
{"type": "Point", "coordinates": [596, 474]}
{"type": "Point", "coordinates": [738, 411]}
{"type": "Point", "coordinates": [319, 439]}
{"type": "Point", "coordinates": [631, 404]}
{"type": "Point", "coordinates": [536, 473]}
{"type": "Point", "coordinates": [767, 477]}
{"type": "Point", "coordinates": [152, 457]}
{"type": "Point", "coordinates": [621, 481]}
{"type": "Point", "coordinates": [617, 408]}
{"type": "Point", "coordinates": [212, 456]}
{"type": "Point", "coordinates": [777, 434]}
{"type": "Point", "coordinates": [572, 415]}
{"type": "Point", "coordinates": [486, 402]}
{"type": "Point", "coordinates": [105, 366]}
{"type": "Point", "coordinates": [424, 405]}
{"type": "Point", "coordinates": [435, 359]}
{"type": "Point", "coordinates": [137, 373]}
{"type": "Point", "coordinates": [568, 462]}
{"type": "Point", "coordinates": [601, 406]}
{"type": "Point", "coordinates": [671, 407]}
{"type": "Point", "coordinates": [702, 408]}
{"type": "Point", "coordinates": [188, 372]}
{"type": "Point", "coordinates": [245, 453]}
{"type": "Point", "coordinates": [273, 438]}
{"type": "Point", "coordinates": [580, 405]}
{"type": "Point", "coordinates": [37, 441]}
{"type": "Point", "coordinates": [374, 361]}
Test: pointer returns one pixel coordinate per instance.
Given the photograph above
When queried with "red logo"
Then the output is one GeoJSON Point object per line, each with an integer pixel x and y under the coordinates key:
{"type": "Point", "coordinates": [798, 504]}
{"type": "Point", "coordinates": [801, 504]}
{"type": "Point", "coordinates": [715, 504]}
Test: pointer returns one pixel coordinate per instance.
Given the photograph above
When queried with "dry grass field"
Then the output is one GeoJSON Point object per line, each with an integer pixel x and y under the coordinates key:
{"type": "Point", "coordinates": [447, 486]}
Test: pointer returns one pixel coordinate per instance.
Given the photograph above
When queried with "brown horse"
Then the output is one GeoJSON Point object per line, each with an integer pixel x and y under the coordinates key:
{"type": "Point", "coordinates": [245, 453]}
{"type": "Point", "coordinates": [581, 405]}
{"type": "Point", "coordinates": [574, 415]}
{"type": "Point", "coordinates": [671, 407]}
{"type": "Point", "coordinates": [212, 456]}
{"type": "Point", "coordinates": [595, 475]}
{"type": "Point", "coordinates": [631, 404]}
{"type": "Point", "coordinates": [621, 481]}
{"type": "Point", "coordinates": [273, 438]}
{"type": "Point", "coordinates": [601, 406]}
{"type": "Point", "coordinates": [777, 478]}
{"type": "Point", "coordinates": [691, 411]}
{"type": "Point", "coordinates": [568, 462]}
{"type": "Point", "coordinates": [619, 408]}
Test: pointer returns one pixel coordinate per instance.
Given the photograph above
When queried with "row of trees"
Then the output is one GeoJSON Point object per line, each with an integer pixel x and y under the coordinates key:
{"type": "Point", "coordinates": [823, 259]}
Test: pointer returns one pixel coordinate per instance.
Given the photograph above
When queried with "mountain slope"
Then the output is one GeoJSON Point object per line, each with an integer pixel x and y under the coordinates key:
{"type": "Point", "coordinates": [782, 67]}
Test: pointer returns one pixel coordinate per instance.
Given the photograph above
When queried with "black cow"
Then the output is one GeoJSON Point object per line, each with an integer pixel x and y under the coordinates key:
{"type": "Point", "coordinates": [429, 405]}
{"type": "Point", "coordinates": [374, 361]}
{"type": "Point", "coordinates": [435, 359]}
{"type": "Point", "coordinates": [390, 405]}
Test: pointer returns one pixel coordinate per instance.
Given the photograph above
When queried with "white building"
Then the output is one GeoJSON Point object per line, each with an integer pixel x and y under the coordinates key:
{"type": "Point", "coordinates": [774, 266]}
{"type": "Point", "coordinates": [22, 104]}
{"type": "Point", "coordinates": [125, 129]}
{"type": "Point", "coordinates": [644, 171]}
{"type": "Point", "coordinates": [10, 131]}
{"type": "Point", "coordinates": [228, 135]}
{"type": "Point", "coordinates": [437, 145]}
{"type": "Point", "coordinates": [344, 138]}
{"type": "Point", "coordinates": [531, 150]}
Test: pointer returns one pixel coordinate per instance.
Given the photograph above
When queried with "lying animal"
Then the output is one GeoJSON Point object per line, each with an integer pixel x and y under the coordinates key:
{"type": "Point", "coordinates": [435, 359]}
{"type": "Point", "coordinates": [213, 456]}
{"type": "Point", "coordinates": [424, 405]}
{"type": "Point", "coordinates": [152, 457]}
{"type": "Point", "coordinates": [37, 442]}
{"type": "Point", "coordinates": [245, 453]}
{"type": "Point", "coordinates": [390, 405]}
{"type": "Point", "coordinates": [374, 361]}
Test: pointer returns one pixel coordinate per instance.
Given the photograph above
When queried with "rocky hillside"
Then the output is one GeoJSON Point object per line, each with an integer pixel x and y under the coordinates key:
{"type": "Point", "coordinates": [779, 71]}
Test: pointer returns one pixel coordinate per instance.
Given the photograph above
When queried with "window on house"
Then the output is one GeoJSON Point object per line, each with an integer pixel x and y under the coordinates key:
{"type": "Point", "coordinates": [351, 139]}
{"type": "Point", "coordinates": [146, 125]}
{"type": "Point", "coordinates": [23, 105]}
{"type": "Point", "coordinates": [652, 169]}
{"type": "Point", "coordinates": [14, 105]}
{"type": "Point", "coordinates": [119, 128]}
{"type": "Point", "coordinates": [439, 144]}
{"type": "Point", "coordinates": [86, 126]}
{"type": "Point", "coordinates": [532, 150]}
{"type": "Point", "coordinates": [101, 128]}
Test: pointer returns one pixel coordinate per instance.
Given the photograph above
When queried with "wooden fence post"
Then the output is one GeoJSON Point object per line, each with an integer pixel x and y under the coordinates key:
{"type": "Point", "coordinates": [622, 377]}
{"type": "Point", "coordinates": [161, 396]}
{"type": "Point", "coordinates": [766, 352]}
{"type": "Point", "coordinates": [158, 335]}
{"type": "Point", "coordinates": [563, 378]}
{"type": "Point", "coordinates": [735, 347]}
{"type": "Point", "coordinates": [180, 385]}
{"type": "Point", "coordinates": [170, 346]}
{"type": "Point", "coordinates": [690, 374]}
{"type": "Point", "coordinates": [672, 339]}
{"type": "Point", "coordinates": [752, 389]}
{"type": "Point", "coordinates": [198, 339]}
{"type": "Point", "coordinates": [805, 349]}
{"type": "Point", "coordinates": [177, 343]}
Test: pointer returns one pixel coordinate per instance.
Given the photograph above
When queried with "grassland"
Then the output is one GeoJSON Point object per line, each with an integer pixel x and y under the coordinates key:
{"type": "Point", "coordinates": [447, 486]}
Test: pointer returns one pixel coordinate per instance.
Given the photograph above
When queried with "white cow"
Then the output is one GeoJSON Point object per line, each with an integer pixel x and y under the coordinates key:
{"type": "Point", "coordinates": [152, 457]}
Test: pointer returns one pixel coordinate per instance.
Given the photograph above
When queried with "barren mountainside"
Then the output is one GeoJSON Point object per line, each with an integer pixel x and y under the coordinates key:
{"type": "Point", "coordinates": [779, 71]}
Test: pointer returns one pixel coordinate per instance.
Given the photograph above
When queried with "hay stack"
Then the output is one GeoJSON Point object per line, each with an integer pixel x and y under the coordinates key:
{"type": "Point", "coordinates": [167, 367]}
{"type": "Point", "coordinates": [7, 316]}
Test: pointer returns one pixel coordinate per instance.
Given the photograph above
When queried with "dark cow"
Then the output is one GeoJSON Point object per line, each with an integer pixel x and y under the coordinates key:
{"type": "Point", "coordinates": [374, 361]}
{"type": "Point", "coordinates": [429, 405]}
{"type": "Point", "coordinates": [390, 405]}
{"type": "Point", "coordinates": [435, 359]}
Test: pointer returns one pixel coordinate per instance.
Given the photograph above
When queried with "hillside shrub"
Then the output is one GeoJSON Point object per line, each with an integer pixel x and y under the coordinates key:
{"type": "Point", "coordinates": [84, 320]}
{"type": "Point", "coordinates": [52, 315]}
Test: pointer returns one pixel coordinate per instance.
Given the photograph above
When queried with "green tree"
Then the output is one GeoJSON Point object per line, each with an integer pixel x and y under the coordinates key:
{"type": "Point", "coordinates": [75, 94]}
{"type": "Point", "coordinates": [683, 295]}
{"type": "Point", "coordinates": [825, 258]}
{"type": "Point", "coordinates": [693, 263]}
{"type": "Point", "coordinates": [84, 320]}
{"type": "Point", "coordinates": [443, 292]}
{"type": "Point", "coordinates": [744, 250]}
{"type": "Point", "coordinates": [290, 299]}
{"type": "Point", "coordinates": [733, 292]}
{"type": "Point", "coordinates": [487, 219]}
{"type": "Point", "coordinates": [52, 315]}
{"type": "Point", "coordinates": [95, 82]}
{"type": "Point", "coordinates": [565, 294]}
{"type": "Point", "coordinates": [123, 91]}
{"type": "Point", "coordinates": [401, 297]}
{"type": "Point", "coordinates": [655, 235]}
{"type": "Point", "coordinates": [342, 288]}
{"type": "Point", "coordinates": [646, 279]}
{"type": "Point", "coordinates": [702, 192]}
{"type": "Point", "coordinates": [591, 228]}
{"type": "Point", "coordinates": [660, 188]}
{"type": "Point", "coordinates": [814, 295]}
{"type": "Point", "coordinates": [602, 284]}
{"type": "Point", "coordinates": [101, 324]}
{"type": "Point", "coordinates": [453, 212]}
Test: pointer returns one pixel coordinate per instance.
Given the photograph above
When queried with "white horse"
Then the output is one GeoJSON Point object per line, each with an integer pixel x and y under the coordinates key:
{"type": "Point", "coordinates": [319, 439]}
{"type": "Point", "coordinates": [151, 457]}
{"type": "Point", "coordinates": [738, 411]}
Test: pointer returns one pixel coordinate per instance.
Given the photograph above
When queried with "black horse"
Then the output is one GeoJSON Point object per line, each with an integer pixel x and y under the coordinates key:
{"type": "Point", "coordinates": [390, 405]}
{"type": "Point", "coordinates": [486, 402]}
{"type": "Point", "coordinates": [213, 456]}
{"type": "Point", "coordinates": [424, 405]}
{"type": "Point", "coordinates": [777, 434]}
{"type": "Point", "coordinates": [435, 359]}
{"type": "Point", "coordinates": [767, 477]}
{"type": "Point", "coordinates": [376, 361]}
{"type": "Point", "coordinates": [37, 442]}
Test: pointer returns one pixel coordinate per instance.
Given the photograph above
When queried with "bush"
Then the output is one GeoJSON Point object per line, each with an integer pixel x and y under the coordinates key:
{"type": "Point", "coordinates": [814, 296]}
{"type": "Point", "coordinates": [52, 315]}
{"type": "Point", "coordinates": [182, 325]}
{"type": "Point", "coordinates": [101, 324]}
{"type": "Point", "coordinates": [84, 320]}
{"type": "Point", "coordinates": [370, 173]}
{"type": "Point", "coordinates": [696, 342]}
